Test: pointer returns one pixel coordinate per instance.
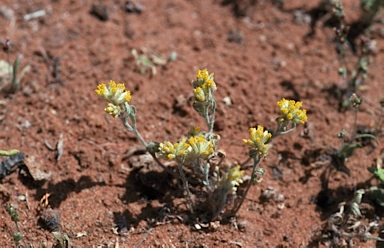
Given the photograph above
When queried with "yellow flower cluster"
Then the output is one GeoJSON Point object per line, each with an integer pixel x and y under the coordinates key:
{"type": "Point", "coordinates": [258, 139]}
{"type": "Point", "coordinates": [291, 111]}
{"type": "Point", "coordinates": [115, 94]}
{"type": "Point", "coordinates": [113, 110]}
{"type": "Point", "coordinates": [201, 148]}
{"type": "Point", "coordinates": [193, 131]}
{"type": "Point", "coordinates": [234, 177]}
{"type": "Point", "coordinates": [191, 148]}
{"type": "Point", "coordinates": [203, 86]}
{"type": "Point", "coordinates": [177, 150]}
{"type": "Point", "coordinates": [230, 180]}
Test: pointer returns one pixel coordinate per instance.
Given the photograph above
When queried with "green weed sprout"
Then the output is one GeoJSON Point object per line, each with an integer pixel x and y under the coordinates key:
{"type": "Point", "coordinates": [342, 29]}
{"type": "Point", "coordinates": [356, 77]}
{"type": "Point", "coordinates": [145, 60]}
{"type": "Point", "coordinates": [196, 153]}
{"type": "Point", "coordinates": [377, 192]}
{"type": "Point", "coordinates": [10, 73]}
{"type": "Point", "coordinates": [15, 217]}
{"type": "Point", "coordinates": [9, 153]}
{"type": "Point", "coordinates": [349, 145]}
{"type": "Point", "coordinates": [62, 239]}
{"type": "Point", "coordinates": [353, 78]}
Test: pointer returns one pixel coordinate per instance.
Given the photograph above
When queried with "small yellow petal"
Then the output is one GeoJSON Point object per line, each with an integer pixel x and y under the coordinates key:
{"type": "Point", "coordinates": [258, 140]}
{"type": "Point", "coordinates": [292, 110]}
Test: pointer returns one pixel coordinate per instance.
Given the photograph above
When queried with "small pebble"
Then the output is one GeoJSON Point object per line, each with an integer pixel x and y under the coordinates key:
{"type": "Point", "coordinates": [100, 11]}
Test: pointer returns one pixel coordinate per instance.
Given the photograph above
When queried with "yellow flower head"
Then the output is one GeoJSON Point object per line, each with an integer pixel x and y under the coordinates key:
{"type": "Point", "coordinates": [171, 151]}
{"type": "Point", "coordinates": [235, 175]}
{"type": "Point", "coordinates": [201, 148]}
{"type": "Point", "coordinates": [193, 131]}
{"type": "Point", "coordinates": [232, 179]}
{"type": "Point", "coordinates": [205, 79]}
{"type": "Point", "coordinates": [204, 85]}
{"type": "Point", "coordinates": [258, 139]}
{"type": "Point", "coordinates": [114, 93]}
{"type": "Point", "coordinates": [291, 111]}
{"type": "Point", "coordinates": [203, 75]}
{"type": "Point", "coordinates": [113, 110]}
{"type": "Point", "coordinates": [200, 94]}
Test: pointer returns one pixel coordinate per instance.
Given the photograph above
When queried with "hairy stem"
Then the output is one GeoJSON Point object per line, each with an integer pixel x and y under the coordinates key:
{"type": "Point", "coordinates": [220, 206]}
{"type": "Point", "coordinates": [256, 162]}
{"type": "Point", "coordinates": [186, 187]}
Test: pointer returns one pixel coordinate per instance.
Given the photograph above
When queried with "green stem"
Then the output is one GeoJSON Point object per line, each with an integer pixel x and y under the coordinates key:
{"type": "Point", "coordinates": [15, 81]}
{"type": "Point", "coordinates": [186, 187]}
{"type": "Point", "coordinates": [137, 134]}
{"type": "Point", "coordinates": [130, 113]}
{"type": "Point", "coordinates": [205, 172]}
{"type": "Point", "coordinates": [256, 162]}
{"type": "Point", "coordinates": [282, 129]}
{"type": "Point", "coordinates": [124, 118]}
{"type": "Point", "coordinates": [221, 206]}
{"type": "Point", "coordinates": [211, 116]}
{"type": "Point", "coordinates": [353, 137]}
{"type": "Point", "coordinates": [19, 231]}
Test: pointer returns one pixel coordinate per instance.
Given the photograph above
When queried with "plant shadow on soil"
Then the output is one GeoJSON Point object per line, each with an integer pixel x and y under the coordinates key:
{"type": "Point", "coordinates": [327, 199]}
{"type": "Point", "coordinates": [162, 195]}
{"type": "Point", "coordinates": [289, 86]}
{"type": "Point", "coordinates": [141, 185]}
{"type": "Point", "coordinates": [60, 190]}
{"type": "Point", "coordinates": [145, 185]}
{"type": "Point", "coordinates": [240, 8]}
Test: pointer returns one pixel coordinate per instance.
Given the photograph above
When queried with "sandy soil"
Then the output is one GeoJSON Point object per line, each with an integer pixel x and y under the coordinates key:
{"type": "Point", "coordinates": [105, 193]}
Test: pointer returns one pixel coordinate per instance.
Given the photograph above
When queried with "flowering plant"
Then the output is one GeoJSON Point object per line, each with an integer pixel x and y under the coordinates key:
{"type": "Point", "coordinates": [196, 153]}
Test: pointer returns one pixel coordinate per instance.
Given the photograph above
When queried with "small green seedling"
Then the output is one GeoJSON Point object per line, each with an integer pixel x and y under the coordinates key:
{"type": "Point", "coordinates": [353, 79]}
{"type": "Point", "coordinates": [378, 170]}
{"type": "Point", "coordinates": [377, 192]}
{"type": "Point", "coordinates": [63, 240]}
{"type": "Point", "coordinates": [9, 74]}
{"type": "Point", "coordinates": [348, 147]}
{"type": "Point", "coordinates": [15, 217]}
{"type": "Point", "coordinates": [145, 60]}
{"type": "Point", "coordinates": [357, 76]}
